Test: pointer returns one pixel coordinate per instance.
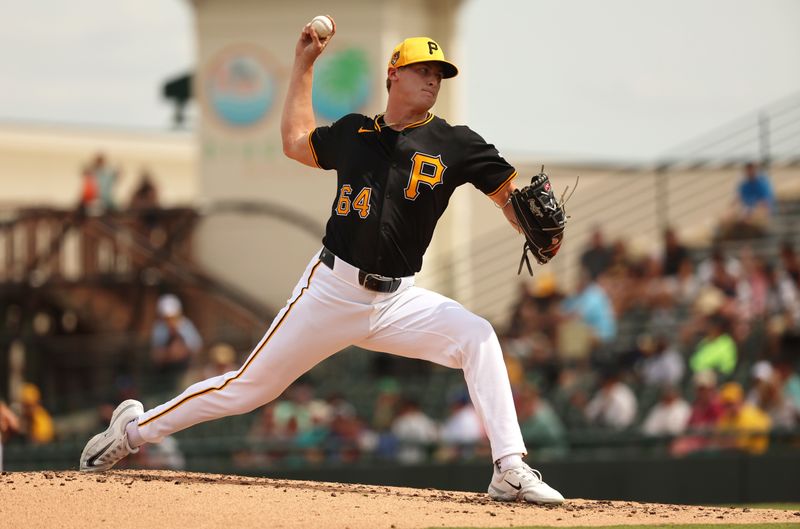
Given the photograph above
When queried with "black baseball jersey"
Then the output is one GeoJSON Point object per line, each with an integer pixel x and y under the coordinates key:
{"type": "Point", "coordinates": [392, 186]}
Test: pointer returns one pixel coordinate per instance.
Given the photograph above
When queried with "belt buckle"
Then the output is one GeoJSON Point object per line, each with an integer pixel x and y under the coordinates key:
{"type": "Point", "coordinates": [379, 283]}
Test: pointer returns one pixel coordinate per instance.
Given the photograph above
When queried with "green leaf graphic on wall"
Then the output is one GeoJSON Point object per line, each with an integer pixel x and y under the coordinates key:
{"type": "Point", "coordinates": [341, 83]}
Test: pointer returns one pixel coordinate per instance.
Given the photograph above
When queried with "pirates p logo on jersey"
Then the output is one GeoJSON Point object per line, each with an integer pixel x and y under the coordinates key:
{"type": "Point", "coordinates": [425, 169]}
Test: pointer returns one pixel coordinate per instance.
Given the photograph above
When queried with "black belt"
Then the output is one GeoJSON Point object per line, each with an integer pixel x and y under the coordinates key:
{"type": "Point", "coordinates": [374, 282]}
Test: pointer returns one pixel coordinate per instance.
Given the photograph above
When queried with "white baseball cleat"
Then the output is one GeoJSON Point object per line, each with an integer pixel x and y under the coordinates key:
{"type": "Point", "coordinates": [105, 449]}
{"type": "Point", "coordinates": [523, 484]}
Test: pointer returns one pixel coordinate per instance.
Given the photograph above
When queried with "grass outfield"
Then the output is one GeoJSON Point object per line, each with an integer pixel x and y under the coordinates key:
{"type": "Point", "coordinates": [667, 526]}
{"type": "Point", "coordinates": [781, 506]}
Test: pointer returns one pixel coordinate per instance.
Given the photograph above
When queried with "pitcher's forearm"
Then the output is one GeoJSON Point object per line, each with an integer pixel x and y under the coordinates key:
{"type": "Point", "coordinates": [298, 113]}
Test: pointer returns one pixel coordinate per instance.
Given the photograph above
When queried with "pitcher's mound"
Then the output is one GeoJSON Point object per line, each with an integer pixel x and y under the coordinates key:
{"type": "Point", "coordinates": [178, 500]}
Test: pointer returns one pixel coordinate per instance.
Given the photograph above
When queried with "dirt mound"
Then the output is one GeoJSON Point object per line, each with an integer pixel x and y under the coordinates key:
{"type": "Point", "coordinates": [176, 500]}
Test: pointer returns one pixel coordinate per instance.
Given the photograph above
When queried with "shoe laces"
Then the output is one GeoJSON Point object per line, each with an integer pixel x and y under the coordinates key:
{"type": "Point", "coordinates": [527, 474]}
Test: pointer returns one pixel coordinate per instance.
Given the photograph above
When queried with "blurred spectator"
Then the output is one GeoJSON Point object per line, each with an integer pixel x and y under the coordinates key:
{"type": "Point", "coordinates": [174, 341]}
{"type": "Point", "coordinates": [596, 258]}
{"type": "Point", "coordinates": [89, 191]}
{"type": "Point", "coordinates": [751, 289]}
{"type": "Point", "coordinates": [760, 374]}
{"type": "Point", "coordinates": [36, 423]}
{"type": "Point", "coordinates": [571, 394]}
{"type": "Point", "coordinates": [743, 426]}
{"type": "Point", "coordinates": [767, 394]}
{"type": "Point", "coordinates": [144, 203]}
{"type": "Point", "coordinates": [166, 454]}
{"type": "Point", "coordinates": [754, 205]}
{"type": "Point", "coordinates": [788, 380]}
{"type": "Point", "coordinates": [781, 303]}
{"type": "Point", "coordinates": [268, 444]}
{"type": "Point", "coordinates": [670, 416]}
{"type": "Point", "coordinates": [295, 414]}
{"type": "Point", "coordinates": [462, 425]}
{"type": "Point", "coordinates": [674, 254]}
{"type": "Point", "coordinates": [387, 402]}
{"type": "Point", "coordinates": [264, 425]}
{"type": "Point", "coordinates": [790, 263]}
{"type": "Point", "coordinates": [660, 363]}
{"type": "Point", "coordinates": [9, 424]}
{"type": "Point", "coordinates": [413, 430]}
{"type": "Point", "coordinates": [145, 196]}
{"type": "Point", "coordinates": [683, 287]}
{"type": "Point", "coordinates": [705, 413]}
{"type": "Point", "coordinates": [591, 304]}
{"type": "Point", "coordinates": [349, 438]}
{"type": "Point", "coordinates": [706, 408]}
{"type": "Point", "coordinates": [717, 350]}
{"type": "Point", "coordinates": [313, 437]}
{"type": "Point", "coordinates": [339, 405]}
{"type": "Point", "coordinates": [614, 404]}
{"type": "Point", "coordinates": [106, 179]}
{"type": "Point", "coordinates": [541, 427]}
{"type": "Point", "coordinates": [720, 271]}
{"type": "Point", "coordinates": [221, 360]}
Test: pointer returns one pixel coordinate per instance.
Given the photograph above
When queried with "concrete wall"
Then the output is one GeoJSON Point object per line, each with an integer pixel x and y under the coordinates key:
{"type": "Point", "coordinates": [41, 164]}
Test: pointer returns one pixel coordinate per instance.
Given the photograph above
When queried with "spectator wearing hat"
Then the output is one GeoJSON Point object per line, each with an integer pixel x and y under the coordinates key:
{"type": "Point", "coordinates": [221, 360]}
{"type": "Point", "coordinates": [37, 425]}
{"type": "Point", "coordinates": [175, 341]}
{"type": "Point", "coordinates": [768, 395]}
{"type": "Point", "coordinates": [743, 426]}
{"type": "Point", "coordinates": [706, 410]}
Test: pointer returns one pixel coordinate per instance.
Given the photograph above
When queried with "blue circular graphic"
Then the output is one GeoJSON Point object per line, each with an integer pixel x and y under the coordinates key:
{"type": "Point", "coordinates": [240, 89]}
{"type": "Point", "coordinates": [341, 83]}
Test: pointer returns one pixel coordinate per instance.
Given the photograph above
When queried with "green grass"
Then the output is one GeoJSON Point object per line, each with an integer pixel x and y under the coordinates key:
{"type": "Point", "coordinates": [779, 506]}
{"type": "Point", "coordinates": [669, 526]}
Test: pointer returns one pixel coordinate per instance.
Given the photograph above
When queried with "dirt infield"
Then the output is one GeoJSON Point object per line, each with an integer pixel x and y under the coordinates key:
{"type": "Point", "coordinates": [157, 499]}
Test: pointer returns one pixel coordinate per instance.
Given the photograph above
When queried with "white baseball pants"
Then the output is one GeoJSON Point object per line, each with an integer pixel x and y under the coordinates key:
{"type": "Point", "coordinates": [329, 311]}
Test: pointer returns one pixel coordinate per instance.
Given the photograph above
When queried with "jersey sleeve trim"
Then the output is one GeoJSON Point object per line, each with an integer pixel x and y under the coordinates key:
{"type": "Point", "coordinates": [313, 152]}
{"type": "Point", "coordinates": [501, 186]}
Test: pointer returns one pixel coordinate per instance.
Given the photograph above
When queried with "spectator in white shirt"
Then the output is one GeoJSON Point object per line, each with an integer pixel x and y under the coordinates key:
{"type": "Point", "coordinates": [670, 416]}
{"type": "Point", "coordinates": [614, 404]}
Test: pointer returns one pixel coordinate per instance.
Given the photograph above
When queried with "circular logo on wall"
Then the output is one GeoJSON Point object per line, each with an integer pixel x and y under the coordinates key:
{"type": "Point", "coordinates": [341, 83]}
{"type": "Point", "coordinates": [240, 85]}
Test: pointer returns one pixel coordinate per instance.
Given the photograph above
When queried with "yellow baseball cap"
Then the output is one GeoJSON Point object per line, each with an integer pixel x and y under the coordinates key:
{"type": "Point", "coordinates": [421, 49]}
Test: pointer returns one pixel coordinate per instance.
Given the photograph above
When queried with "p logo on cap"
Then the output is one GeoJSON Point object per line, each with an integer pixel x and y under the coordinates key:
{"type": "Point", "coordinates": [421, 49]}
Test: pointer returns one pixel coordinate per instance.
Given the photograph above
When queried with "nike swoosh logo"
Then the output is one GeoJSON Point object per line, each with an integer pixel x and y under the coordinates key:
{"type": "Point", "coordinates": [91, 461]}
{"type": "Point", "coordinates": [518, 487]}
{"type": "Point", "coordinates": [362, 129]}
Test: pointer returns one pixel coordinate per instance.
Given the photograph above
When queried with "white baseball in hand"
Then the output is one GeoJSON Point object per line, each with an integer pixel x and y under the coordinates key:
{"type": "Point", "coordinates": [323, 25]}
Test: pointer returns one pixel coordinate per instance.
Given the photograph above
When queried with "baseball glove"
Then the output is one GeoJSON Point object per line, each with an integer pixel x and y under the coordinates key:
{"type": "Point", "coordinates": [541, 218]}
